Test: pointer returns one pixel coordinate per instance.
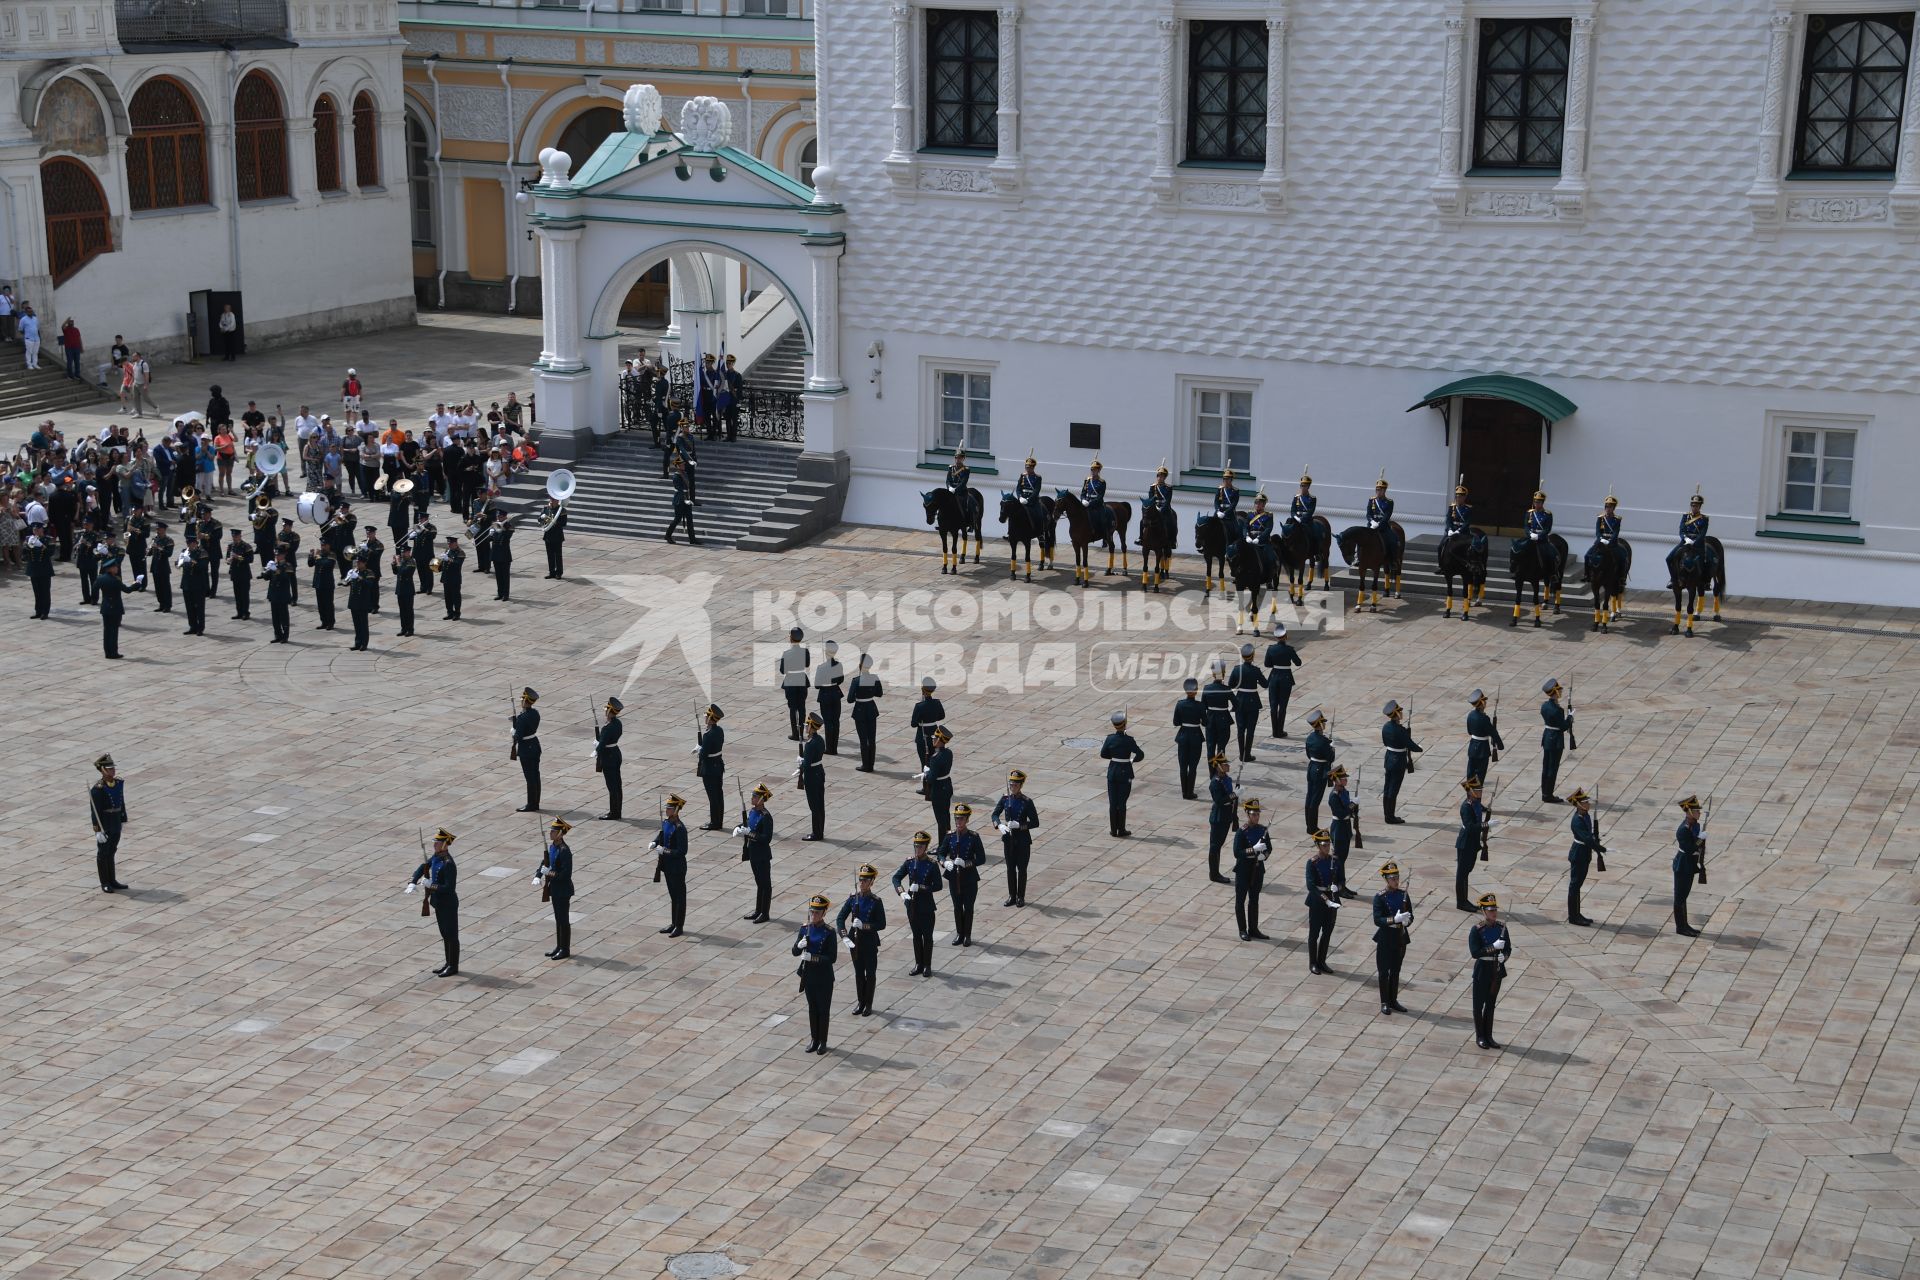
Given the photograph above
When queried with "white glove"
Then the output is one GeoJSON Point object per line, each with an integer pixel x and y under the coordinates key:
{"type": "Point", "coordinates": [1262, 847]}
{"type": "Point", "coordinates": [1488, 824]}
{"type": "Point", "coordinates": [1499, 944]}
{"type": "Point", "coordinates": [655, 848]}
{"type": "Point", "coordinates": [801, 760]}
{"type": "Point", "coordinates": [536, 882]}
{"type": "Point", "coordinates": [1687, 541]}
{"type": "Point", "coordinates": [794, 774]}
{"type": "Point", "coordinates": [1534, 536]}
{"type": "Point", "coordinates": [695, 749]}
{"type": "Point", "coordinates": [99, 837]}
{"type": "Point", "coordinates": [412, 885]}
{"type": "Point", "coordinates": [1334, 903]}
{"type": "Point", "coordinates": [925, 770]}
{"type": "Point", "coordinates": [139, 578]}
{"type": "Point", "coordinates": [739, 831]}
{"type": "Point", "coordinates": [1404, 917]}
{"type": "Point", "coordinates": [1005, 829]}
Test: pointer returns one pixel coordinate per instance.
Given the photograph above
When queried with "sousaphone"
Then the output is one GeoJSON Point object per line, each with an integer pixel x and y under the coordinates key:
{"type": "Point", "coordinates": [561, 486]}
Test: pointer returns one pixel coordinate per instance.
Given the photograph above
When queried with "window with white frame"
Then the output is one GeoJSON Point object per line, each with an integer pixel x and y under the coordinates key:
{"type": "Point", "coordinates": [1222, 428]}
{"type": "Point", "coordinates": [769, 8]}
{"type": "Point", "coordinates": [965, 406]}
{"type": "Point", "coordinates": [1817, 475]}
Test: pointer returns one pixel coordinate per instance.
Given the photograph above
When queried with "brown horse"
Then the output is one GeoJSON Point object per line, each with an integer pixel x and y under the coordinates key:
{"type": "Point", "coordinates": [1081, 532]}
{"type": "Point", "coordinates": [1369, 552]}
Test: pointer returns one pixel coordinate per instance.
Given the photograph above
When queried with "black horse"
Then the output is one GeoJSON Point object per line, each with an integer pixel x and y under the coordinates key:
{"type": "Point", "coordinates": [1698, 569]}
{"type": "Point", "coordinates": [1541, 563]}
{"type": "Point", "coordinates": [1081, 532]}
{"type": "Point", "coordinates": [1159, 533]}
{"type": "Point", "coordinates": [944, 513]}
{"type": "Point", "coordinates": [1302, 548]}
{"type": "Point", "coordinates": [1021, 533]}
{"type": "Point", "coordinates": [1607, 567]}
{"type": "Point", "coordinates": [1369, 551]}
{"type": "Point", "coordinates": [1464, 556]}
{"type": "Point", "coordinates": [1251, 574]}
{"type": "Point", "coordinates": [1215, 538]}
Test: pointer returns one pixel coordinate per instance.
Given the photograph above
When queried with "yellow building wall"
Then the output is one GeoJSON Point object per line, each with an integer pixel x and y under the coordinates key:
{"type": "Point", "coordinates": [486, 229]}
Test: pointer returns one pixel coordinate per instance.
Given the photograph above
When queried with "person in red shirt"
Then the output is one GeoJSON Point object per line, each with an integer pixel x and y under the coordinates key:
{"type": "Point", "coordinates": [70, 347]}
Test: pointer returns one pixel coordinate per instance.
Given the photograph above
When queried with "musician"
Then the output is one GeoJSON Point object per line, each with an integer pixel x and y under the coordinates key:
{"type": "Point", "coordinates": [1344, 809]}
{"type": "Point", "coordinates": [1689, 853]}
{"type": "Point", "coordinates": [280, 597]}
{"type": "Point", "coordinates": [959, 476]}
{"type": "Point", "coordinates": [479, 522]}
{"type": "Point", "coordinates": [39, 548]}
{"type": "Point", "coordinates": [1557, 722]}
{"type": "Point", "coordinates": [1483, 736]}
{"type": "Point", "coordinates": [360, 600]}
{"type": "Point", "coordinates": [403, 584]}
{"type": "Point", "coordinates": [865, 693]}
{"type": "Point", "coordinates": [86, 559]}
{"type": "Point", "coordinates": [1250, 849]}
{"type": "Point", "coordinates": [160, 568]}
{"type": "Point", "coordinates": [337, 537]}
{"type": "Point", "coordinates": [1475, 823]}
{"type": "Point", "coordinates": [374, 552]}
{"type": "Point", "coordinates": [139, 530]}
{"type": "Point", "coordinates": [443, 895]}
{"type": "Point", "coordinates": [210, 530]}
{"type": "Point", "coordinates": [193, 583]}
{"type": "Point", "coordinates": [1459, 512]}
{"type": "Point", "coordinates": [107, 591]}
{"type": "Point", "coordinates": [423, 537]}
{"type": "Point", "coordinates": [1016, 817]}
{"type": "Point", "coordinates": [917, 880]}
{"type": "Point", "coordinates": [1216, 701]}
{"type": "Point", "coordinates": [553, 534]}
{"type": "Point", "coordinates": [1247, 682]}
{"type": "Point", "coordinates": [1323, 902]}
{"type": "Point", "coordinates": [813, 778]}
{"type": "Point", "coordinates": [1029, 490]}
{"type": "Point", "coordinates": [107, 808]}
{"type": "Point", "coordinates": [670, 852]}
{"type": "Point", "coordinates": [818, 946]}
{"type": "Point", "coordinates": [709, 750]}
{"type": "Point", "coordinates": [683, 501]}
{"type": "Point", "coordinates": [1226, 499]}
{"type": "Point", "coordinates": [1093, 496]}
{"type": "Point", "coordinates": [756, 850]}
{"type": "Point", "coordinates": [287, 543]}
{"type": "Point", "coordinates": [1392, 913]}
{"type": "Point", "coordinates": [862, 917]}
{"type": "Point", "coordinates": [240, 573]}
{"type": "Point", "coordinates": [323, 565]}
{"type": "Point", "coordinates": [526, 746]}
{"type": "Point", "coordinates": [1693, 533]}
{"type": "Point", "coordinates": [1280, 660]}
{"type": "Point", "coordinates": [1490, 945]}
{"type": "Point", "coordinates": [1189, 718]}
{"type": "Point", "coordinates": [1400, 747]}
{"type": "Point", "coordinates": [606, 756]}
{"type": "Point", "coordinates": [1586, 843]}
{"type": "Point", "coordinates": [1223, 814]}
{"type": "Point", "coordinates": [1320, 755]}
{"type": "Point", "coordinates": [936, 778]}
{"type": "Point", "coordinates": [449, 564]}
{"type": "Point", "coordinates": [828, 678]}
{"type": "Point", "coordinates": [927, 715]}
{"type": "Point", "coordinates": [265, 521]}
{"type": "Point", "coordinates": [1121, 753]}
{"type": "Point", "coordinates": [399, 512]}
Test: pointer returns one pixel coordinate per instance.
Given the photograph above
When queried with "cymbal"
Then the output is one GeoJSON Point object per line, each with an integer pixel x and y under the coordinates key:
{"type": "Point", "coordinates": [402, 486]}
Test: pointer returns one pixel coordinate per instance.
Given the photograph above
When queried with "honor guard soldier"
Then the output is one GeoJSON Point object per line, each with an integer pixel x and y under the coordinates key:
{"type": "Point", "coordinates": [606, 756]}
{"type": "Point", "coordinates": [1223, 815]}
{"type": "Point", "coordinates": [917, 880]}
{"type": "Point", "coordinates": [818, 946]}
{"type": "Point", "coordinates": [927, 715]}
{"type": "Point", "coordinates": [1247, 683]}
{"type": "Point", "coordinates": [1323, 903]}
{"type": "Point", "coordinates": [1226, 502]}
{"type": "Point", "coordinates": [1475, 823]}
{"type": "Point", "coordinates": [862, 917]}
{"type": "Point", "coordinates": [756, 850]}
{"type": "Point", "coordinates": [280, 575]}
{"type": "Point", "coordinates": [1459, 512]}
{"type": "Point", "coordinates": [1216, 700]}
{"type": "Point", "coordinates": [1380, 518]}
{"type": "Point", "coordinates": [1280, 661]}
{"type": "Point", "coordinates": [404, 584]}
{"type": "Point", "coordinates": [1693, 533]}
{"type": "Point", "coordinates": [1689, 862]}
{"type": "Point", "coordinates": [107, 806]}
{"type": "Point", "coordinates": [240, 573]}
{"type": "Point", "coordinates": [1319, 765]}
{"type": "Point", "coordinates": [813, 778]}
{"type": "Point", "coordinates": [1304, 505]}
{"type": "Point", "coordinates": [1029, 488]}
{"type": "Point", "coordinates": [961, 857]}
{"type": "Point", "coordinates": [1250, 849]}
{"type": "Point", "coordinates": [1016, 817]}
{"type": "Point", "coordinates": [443, 897]}
{"type": "Point", "coordinates": [1189, 732]}
{"type": "Point", "coordinates": [160, 568]}
{"type": "Point", "coordinates": [1489, 943]}
{"type": "Point", "coordinates": [554, 535]}
{"type": "Point", "coordinates": [683, 503]}
{"type": "Point", "coordinates": [1484, 744]}
{"type": "Point", "coordinates": [193, 585]}
{"type": "Point", "coordinates": [323, 565]}
{"type": "Point", "coordinates": [1586, 843]}
{"type": "Point", "coordinates": [449, 565]}
{"type": "Point", "coordinates": [1557, 722]}
{"type": "Point", "coordinates": [1400, 746]}
{"type": "Point", "coordinates": [712, 766]}
{"type": "Point", "coordinates": [1539, 520]}
{"type": "Point", "coordinates": [937, 778]}
{"type": "Point", "coordinates": [360, 600]}
{"type": "Point", "coordinates": [865, 693]}
{"type": "Point", "coordinates": [40, 569]}
{"type": "Point", "coordinates": [500, 544]}
{"type": "Point", "coordinates": [959, 476]}
{"type": "Point", "coordinates": [792, 671]}
{"type": "Point", "coordinates": [1093, 496]}
{"type": "Point", "coordinates": [828, 679]}
{"type": "Point", "coordinates": [669, 849]}
{"type": "Point", "coordinates": [113, 607]}
{"type": "Point", "coordinates": [1344, 808]}
{"type": "Point", "coordinates": [556, 885]}
{"type": "Point", "coordinates": [1392, 914]}
{"type": "Point", "coordinates": [526, 746]}
{"type": "Point", "coordinates": [1260, 534]}
{"type": "Point", "coordinates": [1121, 753]}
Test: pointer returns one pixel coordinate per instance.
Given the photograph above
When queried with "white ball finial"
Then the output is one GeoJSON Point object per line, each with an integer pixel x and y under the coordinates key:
{"type": "Point", "coordinates": [555, 166]}
{"type": "Point", "coordinates": [705, 124]}
{"type": "Point", "coordinates": [641, 107]}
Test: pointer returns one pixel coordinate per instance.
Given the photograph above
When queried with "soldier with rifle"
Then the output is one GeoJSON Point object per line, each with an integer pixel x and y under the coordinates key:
{"type": "Point", "coordinates": [1689, 863]}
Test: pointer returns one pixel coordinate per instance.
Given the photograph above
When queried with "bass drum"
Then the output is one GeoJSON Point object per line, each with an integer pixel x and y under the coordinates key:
{"type": "Point", "coordinates": [313, 508]}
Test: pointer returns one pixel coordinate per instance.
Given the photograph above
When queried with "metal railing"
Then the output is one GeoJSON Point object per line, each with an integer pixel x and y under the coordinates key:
{"type": "Point", "coordinates": [764, 413]}
{"type": "Point", "coordinates": [199, 21]}
{"type": "Point", "coordinates": [692, 8]}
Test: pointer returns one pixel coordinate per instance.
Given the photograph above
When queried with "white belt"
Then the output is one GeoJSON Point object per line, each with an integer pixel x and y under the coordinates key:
{"type": "Point", "coordinates": [1397, 751]}
{"type": "Point", "coordinates": [1474, 737]}
{"type": "Point", "coordinates": [929, 724]}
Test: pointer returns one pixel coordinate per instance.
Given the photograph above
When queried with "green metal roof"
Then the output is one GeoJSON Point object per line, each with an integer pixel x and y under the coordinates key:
{"type": "Point", "coordinates": [622, 149]}
{"type": "Point", "coordinates": [1545, 401]}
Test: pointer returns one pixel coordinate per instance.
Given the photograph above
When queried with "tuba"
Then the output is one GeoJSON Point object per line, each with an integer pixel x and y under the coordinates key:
{"type": "Point", "coordinates": [271, 460]}
{"type": "Point", "coordinates": [561, 486]}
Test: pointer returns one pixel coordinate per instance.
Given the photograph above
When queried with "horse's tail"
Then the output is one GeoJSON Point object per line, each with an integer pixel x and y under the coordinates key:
{"type": "Point", "coordinates": [1719, 569]}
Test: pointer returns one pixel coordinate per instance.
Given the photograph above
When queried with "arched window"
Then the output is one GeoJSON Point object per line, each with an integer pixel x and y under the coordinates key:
{"type": "Point", "coordinates": [586, 131]}
{"type": "Point", "coordinates": [259, 139]}
{"type": "Point", "coordinates": [420, 179]}
{"type": "Point", "coordinates": [809, 160]}
{"type": "Point", "coordinates": [76, 210]}
{"type": "Point", "coordinates": [366, 142]}
{"type": "Point", "coordinates": [326, 143]}
{"type": "Point", "coordinates": [167, 151]}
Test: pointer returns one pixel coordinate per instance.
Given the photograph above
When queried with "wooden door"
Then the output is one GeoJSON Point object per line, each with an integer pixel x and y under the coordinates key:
{"type": "Point", "coordinates": [648, 302]}
{"type": "Point", "coordinates": [1500, 457]}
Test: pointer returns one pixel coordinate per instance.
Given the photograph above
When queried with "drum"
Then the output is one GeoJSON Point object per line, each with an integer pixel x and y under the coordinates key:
{"type": "Point", "coordinates": [313, 508]}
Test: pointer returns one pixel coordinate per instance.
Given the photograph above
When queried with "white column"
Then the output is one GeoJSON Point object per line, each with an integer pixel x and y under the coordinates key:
{"type": "Point", "coordinates": [549, 304]}
{"type": "Point", "coordinates": [823, 373]}
{"type": "Point", "coordinates": [1763, 197]}
{"type": "Point", "coordinates": [1570, 192]}
{"type": "Point", "coordinates": [824, 174]}
{"type": "Point", "coordinates": [899, 161]}
{"type": "Point", "coordinates": [1906, 174]}
{"type": "Point", "coordinates": [1273, 180]}
{"type": "Point", "coordinates": [1446, 179]}
{"type": "Point", "coordinates": [1161, 179]}
{"type": "Point", "coordinates": [1006, 164]}
{"type": "Point", "coordinates": [560, 293]}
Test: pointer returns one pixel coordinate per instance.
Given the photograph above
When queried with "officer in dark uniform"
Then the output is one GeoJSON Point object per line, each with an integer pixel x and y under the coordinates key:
{"type": "Point", "coordinates": [606, 757]}
{"type": "Point", "coordinates": [792, 671]}
{"type": "Point", "coordinates": [669, 849]}
{"type": "Point", "coordinates": [1320, 756]}
{"type": "Point", "coordinates": [927, 715]}
{"type": "Point", "coordinates": [280, 597]}
{"type": "Point", "coordinates": [360, 599]}
{"type": "Point", "coordinates": [265, 522]}
{"type": "Point", "coordinates": [1490, 945]}
{"type": "Point", "coordinates": [240, 573]}
{"type": "Point", "coordinates": [443, 895]}
{"type": "Point", "coordinates": [1483, 737]}
{"type": "Point", "coordinates": [818, 946]}
{"type": "Point", "coordinates": [710, 750]}
{"type": "Point", "coordinates": [865, 693]}
{"type": "Point", "coordinates": [373, 551]}
{"type": "Point", "coordinates": [959, 476]}
{"type": "Point", "coordinates": [1400, 746]}
{"type": "Point", "coordinates": [556, 880]}
{"type": "Point", "coordinates": [1475, 822]}
{"type": "Point", "coordinates": [862, 917]}
{"type": "Point", "coordinates": [1459, 512]}
{"type": "Point", "coordinates": [1556, 720]}
{"type": "Point", "coordinates": [1016, 817]}
{"type": "Point", "coordinates": [1121, 753]}
{"type": "Point", "coordinates": [1392, 914]}
{"type": "Point", "coordinates": [1028, 489]}
{"type": "Point", "coordinates": [1280, 661]}
{"type": "Point", "coordinates": [1216, 701]}
{"type": "Point", "coordinates": [422, 539]}
{"type": "Point", "coordinates": [526, 746]}
{"type": "Point", "coordinates": [828, 681]}
{"type": "Point", "coordinates": [1250, 849]}
{"type": "Point", "coordinates": [1093, 496]}
{"type": "Point", "coordinates": [1586, 843]}
{"type": "Point", "coordinates": [1247, 682]}
{"type": "Point", "coordinates": [1226, 503]}
{"type": "Point", "coordinates": [39, 550]}
{"type": "Point", "coordinates": [961, 857]}
{"type": "Point", "coordinates": [1323, 903]}
{"type": "Point", "coordinates": [160, 568]}
{"type": "Point", "coordinates": [139, 529]}
{"type": "Point", "coordinates": [682, 503]}
{"type": "Point", "coordinates": [107, 806]}
{"type": "Point", "coordinates": [917, 880]}
{"type": "Point", "coordinates": [451, 561]}
{"type": "Point", "coordinates": [86, 558]}
{"type": "Point", "coordinates": [500, 544]}
{"type": "Point", "coordinates": [1380, 516]}
{"type": "Point", "coordinates": [193, 585]}
{"type": "Point", "coordinates": [1224, 814]}
{"type": "Point", "coordinates": [1689, 853]}
{"type": "Point", "coordinates": [937, 777]}
{"type": "Point", "coordinates": [1260, 534]}
{"type": "Point", "coordinates": [113, 607]}
{"type": "Point", "coordinates": [1693, 533]}
{"type": "Point", "coordinates": [404, 584]}
{"type": "Point", "coordinates": [756, 850]}
{"type": "Point", "coordinates": [555, 538]}
{"type": "Point", "coordinates": [323, 569]}
{"type": "Point", "coordinates": [1344, 809]}
{"type": "Point", "coordinates": [1189, 732]}
{"type": "Point", "coordinates": [813, 778]}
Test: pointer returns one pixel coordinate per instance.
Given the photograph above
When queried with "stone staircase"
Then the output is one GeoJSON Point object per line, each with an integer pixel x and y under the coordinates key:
{"type": "Point", "coordinates": [47, 390]}
{"type": "Point", "coordinates": [784, 366]}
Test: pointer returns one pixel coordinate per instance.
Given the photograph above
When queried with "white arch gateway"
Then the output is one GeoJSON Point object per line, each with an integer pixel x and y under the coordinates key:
{"type": "Point", "coordinates": [649, 195]}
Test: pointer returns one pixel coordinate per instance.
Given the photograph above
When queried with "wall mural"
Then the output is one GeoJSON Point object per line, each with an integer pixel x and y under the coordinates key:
{"type": "Point", "coordinates": [71, 120]}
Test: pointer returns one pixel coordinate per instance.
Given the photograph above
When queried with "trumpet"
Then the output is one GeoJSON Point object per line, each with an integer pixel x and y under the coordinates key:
{"type": "Point", "coordinates": [492, 529]}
